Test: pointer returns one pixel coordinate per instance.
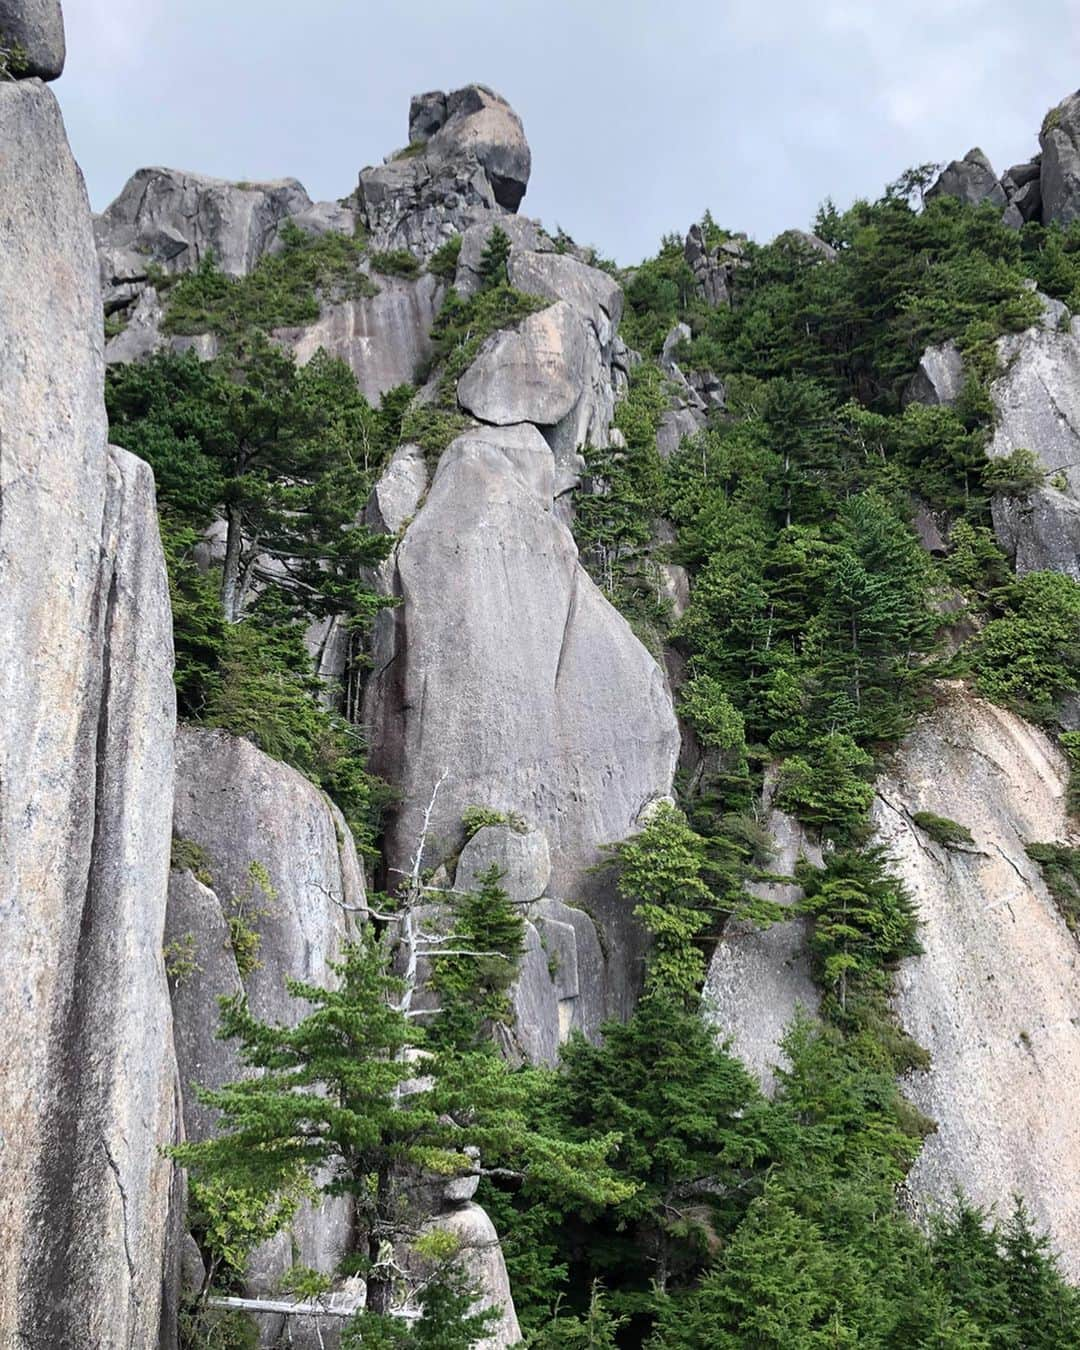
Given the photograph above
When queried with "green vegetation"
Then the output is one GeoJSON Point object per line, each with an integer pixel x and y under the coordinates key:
{"type": "Point", "coordinates": [332, 1112]}
{"type": "Point", "coordinates": [283, 290]}
{"type": "Point", "coordinates": [646, 1192]}
{"type": "Point", "coordinates": [443, 262]}
{"type": "Point", "coordinates": [475, 818]}
{"type": "Point", "coordinates": [398, 262]}
{"type": "Point", "coordinates": [187, 855]}
{"type": "Point", "coordinates": [1060, 866]}
{"type": "Point", "coordinates": [284, 458]}
{"type": "Point", "coordinates": [941, 829]}
{"type": "Point", "coordinates": [14, 61]}
{"type": "Point", "coordinates": [1028, 657]}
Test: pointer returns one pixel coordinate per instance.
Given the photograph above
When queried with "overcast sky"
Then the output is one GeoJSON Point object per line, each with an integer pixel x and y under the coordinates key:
{"type": "Point", "coordinates": [640, 113]}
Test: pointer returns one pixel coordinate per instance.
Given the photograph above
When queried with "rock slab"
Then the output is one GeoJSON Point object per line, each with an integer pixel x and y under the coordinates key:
{"type": "Point", "coordinates": [505, 666]}
{"type": "Point", "coordinates": [85, 789]}
{"type": "Point", "coordinates": [993, 997]}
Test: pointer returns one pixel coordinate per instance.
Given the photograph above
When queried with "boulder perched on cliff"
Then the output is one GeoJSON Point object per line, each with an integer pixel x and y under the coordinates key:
{"type": "Point", "coordinates": [482, 124]}
{"type": "Point", "coordinates": [534, 373]}
{"type": "Point", "coordinates": [33, 32]}
{"type": "Point", "coordinates": [1059, 178]}
{"type": "Point", "coordinates": [266, 887]}
{"type": "Point", "coordinates": [993, 997]}
{"type": "Point", "coordinates": [467, 159]}
{"type": "Point", "coordinates": [971, 179]}
{"type": "Point", "coordinates": [85, 788]}
{"type": "Point", "coordinates": [521, 856]}
{"type": "Point", "coordinates": [505, 666]}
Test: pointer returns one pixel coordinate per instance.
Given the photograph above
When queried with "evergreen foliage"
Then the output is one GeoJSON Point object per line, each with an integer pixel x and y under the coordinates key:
{"type": "Point", "coordinates": [329, 1112]}
{"type": "Point", "coordinates": [283, 290]}
{"type": "Point", "coordinates": [286, 456]}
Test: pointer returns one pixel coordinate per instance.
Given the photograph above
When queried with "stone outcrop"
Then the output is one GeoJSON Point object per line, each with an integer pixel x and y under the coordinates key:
{"type": "Point", "coordinates": [33, 32]}
{"type": "Point", "coordinates": [504, 665]}
{"type": "Point", "coordinates": [174, 220]}
{"type": "Point", "coordinates": [468, 159]}
{"type": "Point", "coordinates": [759, 979]}
{"type": "Point", "coordinates": [971, 179]}
{"type": "Point", "coordinates": [1037, 405]}
{"type": "Point", "coordinates": [259, 843]}
{"type": "Point", "coordinates": [534, 373]}
{"type": "Point", "coordinates": [939, 378]}
{"type": "Point", "coordinates": [715, 267]}
{"type": "Point", "coordinates": [85, 787]}
{"type": "Point", "coordinates": [993, 997]}
{"type": "Point", "coordinates": [1059, 175]}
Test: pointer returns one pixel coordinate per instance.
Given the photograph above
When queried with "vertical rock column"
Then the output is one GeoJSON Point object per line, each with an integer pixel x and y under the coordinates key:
{"type": "Point", "coordinates": [85, 786]}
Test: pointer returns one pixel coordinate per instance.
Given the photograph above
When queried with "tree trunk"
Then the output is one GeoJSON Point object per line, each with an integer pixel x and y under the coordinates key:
{"type": "Point", "coordinates": [230, 576]}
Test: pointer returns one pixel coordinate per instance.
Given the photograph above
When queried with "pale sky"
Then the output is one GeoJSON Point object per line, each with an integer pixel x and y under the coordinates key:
{"type": "Point", "coordinates": [640, 113]}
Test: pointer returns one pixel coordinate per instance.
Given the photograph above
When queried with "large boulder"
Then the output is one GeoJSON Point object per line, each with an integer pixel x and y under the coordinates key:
{"type": "Point", "coordinates": [33, 32]}
{"type": "Point", "coordinates": [1059, 177]}
{"type": "Point", "coordinates": [759, 979]}
{"type": "Point", "coordinates": [594, 294]}
{"type": "Point", "coordinates": [85, 789]}
{"type": "Point", "coordinates": [174, 220]}
{"type": "Point", "coordinates": [467, 160]}
{"type": "Point", "coordinates": [993, 997]}
{"type": "Point", "coordinates": [534, 373]}
{"type": "Point", "coordinates": [504, 666]}
{"type": "Point", "coordinates": [256, 844]}
{"type": "Point", "coordinates": [521, 856]}
{"type": "Point", "coordinates": [384, 339]}
{"type": "Point", "coordinates": [971, 179]}
{"type": "Point", "coordinates": [481, 123]}
{"type": "Point", "coordinates": [481, 1259]}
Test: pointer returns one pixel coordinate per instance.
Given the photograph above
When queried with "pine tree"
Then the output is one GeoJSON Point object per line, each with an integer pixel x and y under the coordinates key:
{"type": "Point", "coordinates": [331, 1108]}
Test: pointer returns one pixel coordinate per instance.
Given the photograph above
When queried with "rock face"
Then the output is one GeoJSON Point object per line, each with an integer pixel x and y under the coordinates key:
{"type": "Point", "coordinates": [759, 979]}
{"type": "Point", "coordinates": [1039, 531]}
{"type": "Point", "coordinates": [86, 784]}
{"type": "Point", "coordinates": [505, 666]}
{"type": "Point", "coordinates": [467, 158]}
{"type": "Point", "coordinates": [994, 995]}
{"type": "Point", "coordinates": [1059, 179]}
{"type": "Point", "coordinates": [939, 378]}
{"type": "Point", "coordinates": [971, 179]}
{"type": "Point", "coordinates": [175, 219]}
{"type": "Point", "coordinates": [1037, 405]}
{"type": "Point", "coordinates": [714, 268]}
{"type": "Point", "coordinates": [35, 29]}
{"type": "Point", "coordinates": [385, 339]}
{"type": "Point", "coordinates": [270, 850]}
{"type": "Point", "coordinates": [482, 1260]}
